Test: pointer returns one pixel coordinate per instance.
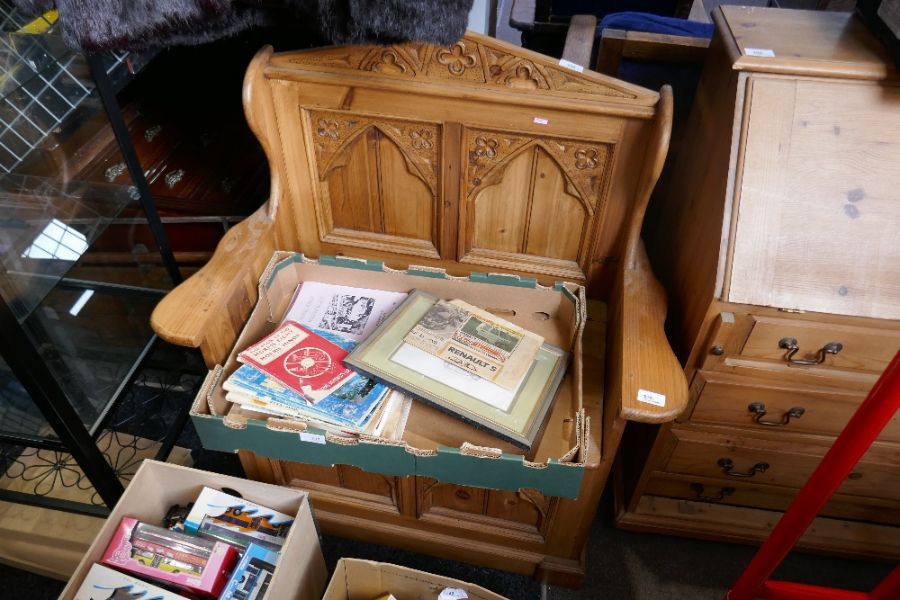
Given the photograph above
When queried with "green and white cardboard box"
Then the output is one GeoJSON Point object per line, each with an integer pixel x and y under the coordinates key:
{"type": "Point", "coordinates": [433, 444]}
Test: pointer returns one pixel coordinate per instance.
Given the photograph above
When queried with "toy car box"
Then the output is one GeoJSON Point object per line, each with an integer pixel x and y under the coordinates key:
{"type": "Point", "coordinates": [157, 486]}
{"type": "Point", "coordinates": [103, 583]}
{"type": "Point", "coordinates": [237, 521]}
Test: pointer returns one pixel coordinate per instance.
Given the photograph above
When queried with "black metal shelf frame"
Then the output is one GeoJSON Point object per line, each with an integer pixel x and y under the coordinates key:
{"type": "Point", "coordinates": [73, 436]}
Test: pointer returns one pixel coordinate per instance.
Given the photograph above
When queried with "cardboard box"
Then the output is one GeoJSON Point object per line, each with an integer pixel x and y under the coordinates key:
{"type": "Point", "coordinates": [184, 562]}
{"type": "Point", "coordinates": [434, 444]}
{"type": "Point", "coordinates": [103, 582]}
{"type": "Point", "coordinates": [355, 579]}
{"type": "Point", "coordinates": [157, 486]}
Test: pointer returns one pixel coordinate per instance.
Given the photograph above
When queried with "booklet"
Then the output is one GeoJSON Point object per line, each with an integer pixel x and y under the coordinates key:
{"type": "Point", "coordinates": [348, 311]}
{"type": "Point", "coordinates": [300, 359]}
{"type": "Point", "coordinates": [350, 406]}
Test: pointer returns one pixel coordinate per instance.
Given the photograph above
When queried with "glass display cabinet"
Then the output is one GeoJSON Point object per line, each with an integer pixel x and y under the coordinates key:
{"type": "Point", "coordinates": [77, 279]}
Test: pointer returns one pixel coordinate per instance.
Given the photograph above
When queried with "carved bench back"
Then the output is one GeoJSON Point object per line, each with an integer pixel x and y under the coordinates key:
{"type": "Point", "coordinates": [480, 156]}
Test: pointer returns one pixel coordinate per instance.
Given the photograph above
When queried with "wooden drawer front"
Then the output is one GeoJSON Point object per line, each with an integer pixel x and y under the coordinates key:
{"type": "Point", "coordinates": [828, 354]}
{"type": "Point", "coordinates": [751, 402]}
{"type": "Point", "coordinates": [785, 464]}
{"type": "Point", "coordinates": [861, 349]}
{"type": "Point", "coordinates": [816, 199]}
{"type": "Point", "coordinates": [755, 495]}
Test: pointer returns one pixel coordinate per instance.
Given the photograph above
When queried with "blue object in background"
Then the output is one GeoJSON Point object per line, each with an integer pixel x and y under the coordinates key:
{"type": "Point", "coordinates": [651, 23]}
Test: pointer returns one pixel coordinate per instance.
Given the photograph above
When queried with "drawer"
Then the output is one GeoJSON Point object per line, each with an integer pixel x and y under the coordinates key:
{"type": "Point", "coordinates": [756, 495]}
{"type": "Point", "coordinates": [801, 350]}
{"type": "Point", "coordinates": [786, 464]}
{"type": "Point", "coordinates": [723, 399]}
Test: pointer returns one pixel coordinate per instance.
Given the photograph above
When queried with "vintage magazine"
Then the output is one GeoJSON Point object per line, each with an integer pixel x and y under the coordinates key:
{"type": "Point", "coordinates": [350, 406]}
{"type": "Point", "coordinates": [348, 311]}
{"type": "Point", "coordinates": [515, 415]}
{"type": "Point", "coordinates": [476, 341]}
{"type": "Point", "coordinates": [303, 361]}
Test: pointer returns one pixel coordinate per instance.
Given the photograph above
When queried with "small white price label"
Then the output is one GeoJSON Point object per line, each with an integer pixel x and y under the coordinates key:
{"type": "Point", "coordinates": [651, 398]}
{"type": "Point", "coordinates": [315, 438]}
{"type": "Point", "coordinates": [764, 52]}
{"type": "Point", "coordinates": [541, 121]}
{"type": "Point", "coordinates": [568, 64]}
{"type": "Point", "coordinates": [453, 594]}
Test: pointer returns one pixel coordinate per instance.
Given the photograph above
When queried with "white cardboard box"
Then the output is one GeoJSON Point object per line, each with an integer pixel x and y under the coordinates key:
{"type": "Point", "coordinates": [301, 573]}
{"type": "Point", "coordinates": [356, 579]}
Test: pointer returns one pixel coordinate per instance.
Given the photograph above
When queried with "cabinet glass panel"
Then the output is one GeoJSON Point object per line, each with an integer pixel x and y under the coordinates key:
{"type": "Point", "coordinates": [77, 265]}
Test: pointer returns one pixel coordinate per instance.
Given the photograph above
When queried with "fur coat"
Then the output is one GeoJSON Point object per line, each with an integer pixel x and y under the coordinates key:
{"type": "Point", "coordinates": [144, 24]}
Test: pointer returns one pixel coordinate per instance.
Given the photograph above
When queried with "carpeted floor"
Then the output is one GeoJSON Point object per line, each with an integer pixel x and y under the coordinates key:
{"type": "Point", "coordinates": [621, 566]}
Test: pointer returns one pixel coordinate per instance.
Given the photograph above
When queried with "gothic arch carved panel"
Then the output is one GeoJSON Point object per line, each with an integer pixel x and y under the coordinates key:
{"type": "Point", "coordinates": [378, 181]}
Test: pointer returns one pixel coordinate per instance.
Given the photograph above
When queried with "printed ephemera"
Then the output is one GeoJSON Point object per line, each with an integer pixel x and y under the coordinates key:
{"type": "Point", "coordinates": [476, 341]}
{"type": "Point", "coordinates": [305, 362]}
{"type": "Point", "coordinates": [351, 312]}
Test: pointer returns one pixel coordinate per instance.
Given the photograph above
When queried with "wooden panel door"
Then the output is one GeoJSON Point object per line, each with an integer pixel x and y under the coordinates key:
{"type": "Point", "coordinates": [531, 203]}
{"type": "Point", "coordinates": [378, 182]}
{"type": "Point", "coordinates": [818, 211]}
{"type": "Point", "coordinates": [494, 513]}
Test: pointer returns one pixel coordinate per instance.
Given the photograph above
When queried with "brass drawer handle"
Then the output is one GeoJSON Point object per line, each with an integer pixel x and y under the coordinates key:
{"type": "Point", "coordinates": [759, 411]}
{"type": "Point", "coordinates": [723, 493]}
{"type": "Point", "coordinates": [792, 346]}
{"type": "Point", "coordinates": [727, 465]}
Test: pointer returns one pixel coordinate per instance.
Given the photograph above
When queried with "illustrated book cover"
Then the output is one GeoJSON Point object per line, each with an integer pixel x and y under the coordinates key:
{"type": "Point", "coordinates": [305, 362]}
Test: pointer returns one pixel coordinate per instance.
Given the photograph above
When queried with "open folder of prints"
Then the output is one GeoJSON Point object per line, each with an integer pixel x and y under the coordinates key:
{"type": "Point", "coordinates": [456, 386]}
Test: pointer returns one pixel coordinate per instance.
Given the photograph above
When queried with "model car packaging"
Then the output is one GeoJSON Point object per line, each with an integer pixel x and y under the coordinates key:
{"type": "Point", "coordinates": [239, 522]}
{"type": "Point", "coordinates": [197, 565]}
{"type": "Point", "coordinates": [252, 575]}
{"type": "Point", "coordinates": [103, 583]}
{"type": "Point", "coordinates": [302, 360]}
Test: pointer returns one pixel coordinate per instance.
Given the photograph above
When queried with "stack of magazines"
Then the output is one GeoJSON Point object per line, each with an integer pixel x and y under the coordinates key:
{"type": "Point", "coordinates": [297, 371]}
{"type": "Point", "coordinates": [343, 357]}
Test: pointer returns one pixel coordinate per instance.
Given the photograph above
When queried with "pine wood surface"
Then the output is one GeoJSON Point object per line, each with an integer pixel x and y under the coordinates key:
{"type": "Point", "coordinates": [704, 520]}
{"type": "Point", "coordinates": [723, 399]}
{"type": "Point", "coordinates": [810, 214]}
{"type": "Point", "coordinates": [751, 494]}
{"type": "Point", "coordinates": [616, 44]}
{"type": "Point", "coordinates": [819, 43]}
{"type": "Point", "coordinates": [475, 157]}
{"type": "Point", "coordinates": [753, 241]}
{"type": "Point", "coordinates": [789, 463]}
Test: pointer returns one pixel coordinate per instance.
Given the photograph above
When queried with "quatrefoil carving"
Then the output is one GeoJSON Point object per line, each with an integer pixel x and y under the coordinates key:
{"type": "Point", "coordinates": [328, 128]}
{"type": "Point", "coordinates": [485, 147]}
{"type": "Point", "coordinates": [586, 158]}
{"type": "Point", "coordinates": [456, 59]}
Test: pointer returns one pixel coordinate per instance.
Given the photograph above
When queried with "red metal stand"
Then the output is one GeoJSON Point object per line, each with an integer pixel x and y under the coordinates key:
{"type": "Point", "coordinates": [871, 417]}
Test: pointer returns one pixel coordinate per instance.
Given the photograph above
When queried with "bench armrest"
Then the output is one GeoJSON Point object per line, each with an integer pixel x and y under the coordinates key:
{"type": "Point", "coordinates": [641, 357]}
{"type": "Point", "coordinates": [209, 309]}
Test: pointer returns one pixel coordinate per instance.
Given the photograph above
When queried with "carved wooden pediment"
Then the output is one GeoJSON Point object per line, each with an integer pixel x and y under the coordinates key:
{"type": "Point", "coordinates": [474, 60]}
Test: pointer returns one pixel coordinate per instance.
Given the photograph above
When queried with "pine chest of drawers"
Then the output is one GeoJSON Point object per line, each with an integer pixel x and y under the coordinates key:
{"type": "Point", "coordinates": [780, 248]}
